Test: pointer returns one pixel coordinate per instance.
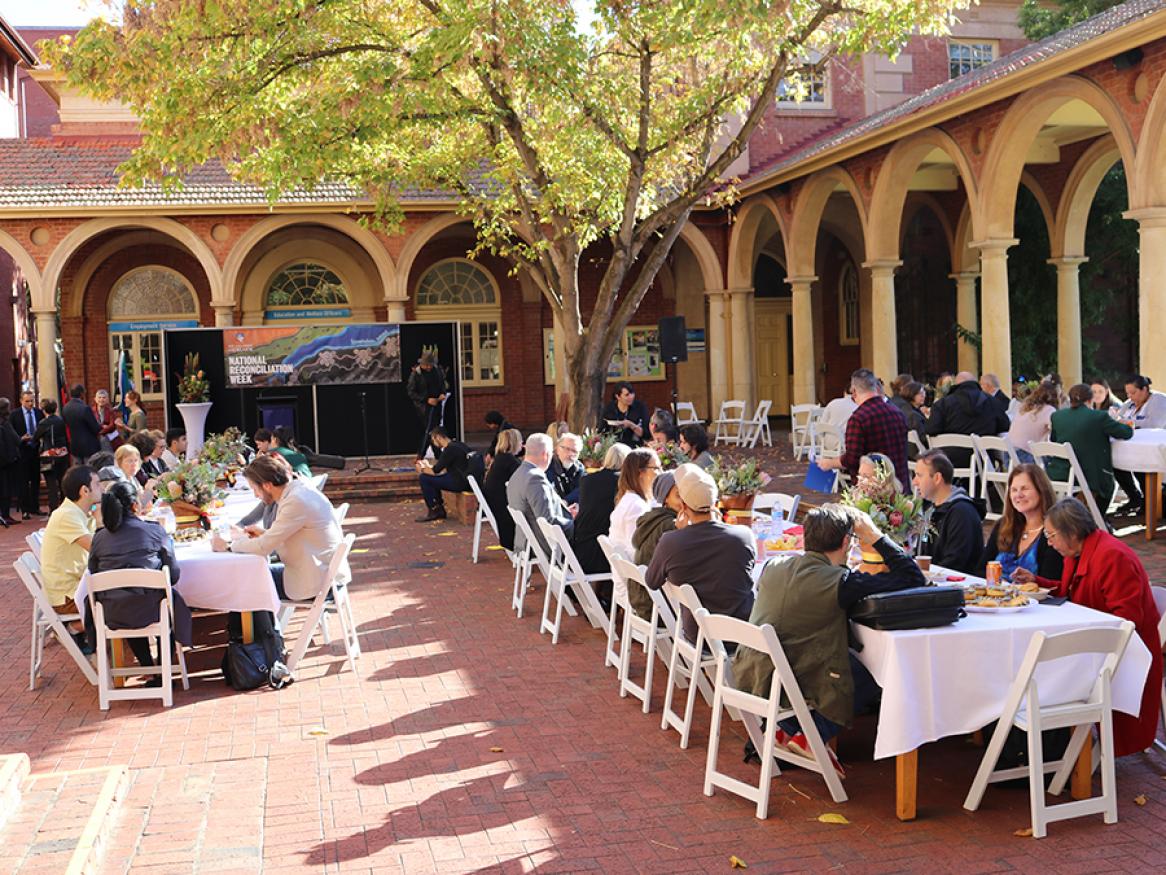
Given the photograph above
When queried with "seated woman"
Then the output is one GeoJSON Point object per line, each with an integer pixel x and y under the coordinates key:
{"type": "Point", "coordinates": [127, 463]}
{"type": "Point", "coordinates": [1018, 539]}
{"type": "Point", "coordinates": [596, 502]}
{"type": "Point", "coordinates": [694, 443]}
{"type": "Point", "coordinates": [1034, 421]}
{"type": "Point", "coordinates": [1103, 573]}
{"type": "Point", "coordinates": [127, 541]}
{"type": "Point", "coordinates": [284, 443]}
{"type": "Point", "coordinates": [633, 497]}
{"type": "Point", "coordinates": [876, 468]}
{"type": "Point", "coordinates": [507, 446]}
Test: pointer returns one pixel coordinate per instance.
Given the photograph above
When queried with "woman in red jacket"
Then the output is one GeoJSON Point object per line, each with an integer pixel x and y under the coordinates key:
{"type": "Point", "coordinates": [1104, 574]}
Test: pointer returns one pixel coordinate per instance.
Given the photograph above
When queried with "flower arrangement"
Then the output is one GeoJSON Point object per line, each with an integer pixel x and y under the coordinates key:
{"type": "Point", "coordinates": [595, 447]}
{"type": "Point", "coordinates": [226, 450]}
{"type": "Point", "coordinates": [193, 386]}
{"type": "Point", "coordinates": [191, 483]}
{"type": "Point", "coordinates": [744, 478]}
{"type": "Point", "coordinates": [671, 456]}
{"type": "Point", "coordinates": [897, 515]}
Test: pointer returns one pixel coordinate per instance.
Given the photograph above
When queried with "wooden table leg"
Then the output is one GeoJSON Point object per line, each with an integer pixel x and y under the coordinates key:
{"type": "Point", "coordinates": [906, 773]}
{"type": "Point", "coordinates": [119, 658]}
{"type": "Point", "coordinates": [247, 623]}
{"type": "Point", "coordinates": [1153, 499]}
{"type": "Point", "coordinates": [1081, 785]}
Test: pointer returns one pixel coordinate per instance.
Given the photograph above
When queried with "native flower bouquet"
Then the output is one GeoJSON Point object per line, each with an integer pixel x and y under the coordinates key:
{"type": "Point", "coordinates": [193, 386]}
{"type": "Point", "coordinates": [671, 456]}
{"type": "Point", "coordinates": [191, 483]}
{"type": "Point", "coordinates": [226, 450]}
{"type": "Point", "coordinates": [897, 515]}
{"type": "Point", "coordinates": [738, 479]}
{"type": "Point", "coordinates": [595, 447]}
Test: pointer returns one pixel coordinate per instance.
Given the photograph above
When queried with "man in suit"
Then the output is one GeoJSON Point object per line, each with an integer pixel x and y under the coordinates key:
{"type": "Point", "coordinates": [24, 420]}
{"type": "Point", "coordinates": [530, 493]}
{"type": "Point", "coordinates": [304, 534]}
{"type": "Point", "coordinates": [990, 383]}
{"type": "Point", "coordinates": [84, 429]}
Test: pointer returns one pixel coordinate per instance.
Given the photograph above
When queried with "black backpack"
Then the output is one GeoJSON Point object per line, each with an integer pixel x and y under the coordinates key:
{"type": "Point", "coordinates": [476, 466]}
{"type": "Point", "coordinates": [259, 663]}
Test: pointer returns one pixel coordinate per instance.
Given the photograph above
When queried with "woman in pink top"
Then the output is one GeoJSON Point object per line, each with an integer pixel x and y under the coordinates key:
{"type": "Point", "coordinates": [1033, 422]}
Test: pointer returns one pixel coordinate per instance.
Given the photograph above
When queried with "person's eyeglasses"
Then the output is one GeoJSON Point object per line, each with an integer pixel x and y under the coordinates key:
{"type": "Point", "coordinates": [655, 468]}
{"type": "Point", "coordinates": [1050, 535]}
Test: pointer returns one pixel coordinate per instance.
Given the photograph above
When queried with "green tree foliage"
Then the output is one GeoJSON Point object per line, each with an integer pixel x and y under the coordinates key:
{"type": "Point", "coordinates": [1038, 19]}
{"type": "Point", "coordinates": [554, 132]}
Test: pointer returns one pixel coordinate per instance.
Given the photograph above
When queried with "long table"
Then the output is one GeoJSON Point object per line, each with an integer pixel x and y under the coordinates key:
{"type": "Point", "coordinates": [1145, 453]}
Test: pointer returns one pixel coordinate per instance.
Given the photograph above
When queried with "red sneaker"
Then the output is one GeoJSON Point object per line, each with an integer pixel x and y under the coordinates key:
{"type": "Point", "coordinates": [801, 746]}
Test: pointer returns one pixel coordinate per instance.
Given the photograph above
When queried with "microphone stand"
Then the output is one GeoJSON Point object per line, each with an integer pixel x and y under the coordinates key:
{"type": "Point", "coordinates": [367, 466]}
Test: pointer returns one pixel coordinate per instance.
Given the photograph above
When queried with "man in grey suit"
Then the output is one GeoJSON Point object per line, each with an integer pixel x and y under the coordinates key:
{"type": "Point", "coordinates": [530, 493]}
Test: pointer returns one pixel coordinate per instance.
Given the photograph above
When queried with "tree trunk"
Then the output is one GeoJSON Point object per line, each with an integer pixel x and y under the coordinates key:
{"type": "Point", "coordinates": [585, 385]}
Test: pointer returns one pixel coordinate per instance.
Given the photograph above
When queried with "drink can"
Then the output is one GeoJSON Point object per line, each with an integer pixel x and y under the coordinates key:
{"type": "Point", "coordinates": [993, 573]}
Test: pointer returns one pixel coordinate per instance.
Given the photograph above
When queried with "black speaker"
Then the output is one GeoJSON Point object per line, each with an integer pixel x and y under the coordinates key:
{"type": "Point", "coordinates": [673, 340]}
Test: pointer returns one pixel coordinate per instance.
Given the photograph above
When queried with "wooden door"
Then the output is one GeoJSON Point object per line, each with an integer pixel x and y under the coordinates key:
{"type": "Point", "coordinates": [774, 359]}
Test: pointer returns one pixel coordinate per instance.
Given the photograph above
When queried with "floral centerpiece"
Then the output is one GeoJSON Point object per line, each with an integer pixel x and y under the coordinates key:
{"type": "Point", "coordinates": [189, 488]}
{"type": "Point", "coordinates": [226, 450]}
{"type": "Point", "coordinates": [193, 386]}
{"type": "Point", "coordinates": [738, 482]}
{"type": "Point", "coordinates": [595, 447]}
{"type": "Point", "coordinates": [897, 515]}
{"type": "Point", "coordinates": [671, 456]}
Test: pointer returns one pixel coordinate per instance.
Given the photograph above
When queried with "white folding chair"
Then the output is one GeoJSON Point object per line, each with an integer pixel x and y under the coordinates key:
{"type": "Point", "coordinates": [636, 629]}
{"type": "Point", "coordinates": [530, 557]}
{"type": "Point", "coordinates": [687, 664]}
{"type": "Point", "coordinates": [1042, 451]}
{"type": "Point", "coordinates": [619, 597]}
{"type": "Point", "coordinates": [44, 620]}
{"type": "Point", "coordinates": [969, 472]}
{"type": "Point", "coordinates": [340, 513]}
{"type": "Point", "coordinates": [318, 481]}
{"type": "Point", "coordinates": [915, 441]}
{"type": "Point", "coordinates": [764, 503]}
{"type": "Point", "coordinates": [829, 442]}
{"type": "Point", "coordinates": [339, 591]}
{"type": "Point", "coordinates": [756, 427]}
{"type": "Point", "coordinates": [484, 515]}
{"type": "Point", "coordinates": [729, 423]}
{"type": "Point", "coordinates": [1024, 710]}
{"type": "Point", "coordinates": [718, 630]}
{"type": "Point", "coordinates": [997, 457]}
{"type": "Point", "coordinates": [141, 578]}
{"type": "Point", "coordinates": [801, 418]}
{"type": "Point", "coordinates": [35, 541]}
{"type": "Point", "coordinates": [567, 574]}
{"type": "Point", "coordinates": [686, 414]}
{"type": "Point", "coordinates": [1160, 600]}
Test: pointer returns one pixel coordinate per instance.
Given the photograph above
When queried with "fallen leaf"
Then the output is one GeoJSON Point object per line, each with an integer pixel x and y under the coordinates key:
{"type": "Point", "coordinates": [1023, 833]}
{"type": "Point", "coordinates": [1140, 800]}
{"type": "Point", "coordinates": [446, 534]}
{"type": "Point", "coordinates": [317, 731]}
{"type": "Point", "coordinates": [737, 863]}
{"type": "Point", "coordinates": [495, 750]}
{"type": "Point", "coordinates": [359, 550]}
{"type": "Point", "coordinates": [495, 547]}
{"type": "Point", "coordinates": [832, 818]}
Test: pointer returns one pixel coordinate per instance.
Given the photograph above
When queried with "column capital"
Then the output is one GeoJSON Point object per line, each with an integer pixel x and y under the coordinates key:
{"type": "Point", "coordinates": [964, 275]}
{"type": "Point", "coordinates": [796, 280]}
{"type": "Point", "coordinates": [883, 266]}
{"type": "Point", "coordinates": [1065, 262]}
{"type": "Point", "coordinates": [714, 293]}
{"type": "Point", "coordinates": [1147, 217]}
{"type": "Point", "coordinates": [41, 312]}
{"type": "Point", "coordinates": [994, 243]}
{"type": "Point", "coordinates": [741, 290]}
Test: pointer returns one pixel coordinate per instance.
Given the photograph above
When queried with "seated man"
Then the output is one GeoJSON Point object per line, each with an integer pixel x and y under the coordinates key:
{"type": "Point", "coordinates": [806, 599]}
{"type": "Point", "coordinates": [566, 470]}
{"type": "Point", "coordinates": [175, 451]}
{"type": "Point", "coordinates": [530, 493]}
{"type": "Point", "coordinates": [304, 534]}
{"type": "Point", "coordinates": [662, 428]}
{"type": "Point", "coordinates": [715, 559]}
{"type": "Point", "coordinates": [68, 536]}
{"type": "Point", "coordinates": [447, 473]}
{"type": "Point", "coordinates": [955, 539]}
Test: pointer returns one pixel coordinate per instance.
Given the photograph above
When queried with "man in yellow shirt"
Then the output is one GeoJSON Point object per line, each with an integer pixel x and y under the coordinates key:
{"type": "Point", "coordinates": [65, 551]}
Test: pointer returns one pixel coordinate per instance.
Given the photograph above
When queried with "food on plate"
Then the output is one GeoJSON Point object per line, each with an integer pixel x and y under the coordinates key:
{"type": "Point", "coordinates": [189, 535]}
{"type": "Point", "coordinates": [1031, 586]}
{"type": "Point", "coordinates": [1001, 595]}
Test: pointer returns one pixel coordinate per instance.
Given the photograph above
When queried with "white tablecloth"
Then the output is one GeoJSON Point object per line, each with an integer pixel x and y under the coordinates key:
{"type": "Point", "coordinates": [1145, 451]}
{"type": "Point", "coordinates": [219, 581]}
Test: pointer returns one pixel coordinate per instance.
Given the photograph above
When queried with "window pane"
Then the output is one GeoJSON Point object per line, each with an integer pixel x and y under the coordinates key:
{"type": "Point", "coordinates": [149, 377]}
{"type": "Point", "coordinates": [468, 351]}
{"type": "Point", "coordinates": [306, 285]}
{"type": "Point", "coordinates": [489, 358]}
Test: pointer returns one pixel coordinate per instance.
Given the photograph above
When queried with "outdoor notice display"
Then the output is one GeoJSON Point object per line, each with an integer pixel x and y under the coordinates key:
{"type": "Point", "coordinates": [320, 355]}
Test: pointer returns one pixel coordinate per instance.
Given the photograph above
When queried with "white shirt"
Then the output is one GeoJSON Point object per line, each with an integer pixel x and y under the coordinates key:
{"type": "Point", "coordinates": [170, 459]}
{"type": "Point", "coordinates": [623, 519]}
{"type": "Point", "coordinates": [1152, 414]}
{"type": "Point", "coordinates": [838, 412]}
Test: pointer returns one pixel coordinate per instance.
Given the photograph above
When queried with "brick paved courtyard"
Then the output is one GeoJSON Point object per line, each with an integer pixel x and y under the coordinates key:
{"type": "Point", "coordinates": [470, 744]}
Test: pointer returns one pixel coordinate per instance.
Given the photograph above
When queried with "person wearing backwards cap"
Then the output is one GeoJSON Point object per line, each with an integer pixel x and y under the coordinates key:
{"type": "Point", "coordinates": [715, 559]}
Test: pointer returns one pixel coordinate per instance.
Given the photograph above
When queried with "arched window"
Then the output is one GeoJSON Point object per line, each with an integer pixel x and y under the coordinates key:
{"type": "Point", "coordinates": [141, 304]}
{"type": "Point", "coordinates": [849, 329]}
{"type": "Point", "coordinates": [461, 291]}
{"type": "Point", "coordinates": [306, 290]}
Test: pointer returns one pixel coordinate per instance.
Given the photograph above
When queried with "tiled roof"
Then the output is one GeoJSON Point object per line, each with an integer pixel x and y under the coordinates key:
{"type": "Point", "coordinates": [1034, 53]}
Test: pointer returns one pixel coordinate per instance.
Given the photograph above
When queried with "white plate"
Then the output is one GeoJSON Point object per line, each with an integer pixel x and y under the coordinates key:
{"type": "Point", "coordinates": [977, 609]}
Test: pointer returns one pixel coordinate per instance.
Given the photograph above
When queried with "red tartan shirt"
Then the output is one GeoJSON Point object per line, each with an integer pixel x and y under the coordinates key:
{"type": "Point", "coordinates": [877, 426]}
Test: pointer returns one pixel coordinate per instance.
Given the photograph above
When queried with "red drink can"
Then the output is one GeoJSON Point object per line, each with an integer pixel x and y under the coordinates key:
{"type": "Point", "coordinates": [993, 573]}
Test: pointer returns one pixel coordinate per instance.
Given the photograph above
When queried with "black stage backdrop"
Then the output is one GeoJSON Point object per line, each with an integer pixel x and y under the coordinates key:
{"type": "Point", "coordinates": [392, 423]}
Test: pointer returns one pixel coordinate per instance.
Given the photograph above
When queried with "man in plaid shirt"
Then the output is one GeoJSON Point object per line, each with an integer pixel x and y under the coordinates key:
{"type": "Point", "coordinates": [876, 426]}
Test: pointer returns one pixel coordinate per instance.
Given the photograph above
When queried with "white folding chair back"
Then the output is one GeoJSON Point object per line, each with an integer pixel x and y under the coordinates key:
{"type": "Point", "coordinates": [688, 665]}
{"type": "Point", "coordinates": [637, 629]}
{"type": "Point", "coordinates": [1076, 484]}
{"type": "Point", "coordinates": [686, 414]}
{"type": "Point", "coordinates": [829, 442]}
{"type": "Point", "coordinates": [316, 608]}
{"type": "Point", "coordinates": [142, 578]}
{"type": "Point", "coordinates": [1024, 710]}
{"type": "Point", "coordinates": [757, 427]}
{"type": "Point", "coordinates": [35, 540]}
{"type": "Point", "coordinates": [1160, 600]}
{"type": "Point", "coordinates": [801, 417]}
{"type": "Point", "coordinates": [913, 440]}
{"type": "Point", "coordinates": [764, 504]}
{"type": "Point", "coordinates": [44, 620]}
{"type": "Point", "coordinates": [484, 515]}
{"type": "Point", "coordinates": [567, 573]}
{"type": "Point", "coordinates": [529, 558]}
{"type": "Point", "coordinates": [729, 423]}
{"type": "Point", "coordinates": [340, 513]}
{"type": "Point", "coordinates": [997, 457]}
{"type": "Point", "coordinates": [619, 596]}
{"type": "Point", "coordinates": [969, 472]}
{"type": "Point", "coordinates": [318, 481]}
{"type": "Point", "coordinates": [719, 630]}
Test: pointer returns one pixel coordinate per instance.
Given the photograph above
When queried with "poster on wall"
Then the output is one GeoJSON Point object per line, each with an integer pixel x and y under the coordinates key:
{"type": "Point", "coordinates": [321, 355]}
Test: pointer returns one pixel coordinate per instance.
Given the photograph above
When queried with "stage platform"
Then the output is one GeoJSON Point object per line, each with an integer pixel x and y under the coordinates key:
{"type": "Point", "coordinates": [392, 479]}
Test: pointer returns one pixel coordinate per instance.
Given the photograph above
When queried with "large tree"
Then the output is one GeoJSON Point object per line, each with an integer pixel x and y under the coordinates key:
{"type": "Point", "coordinates": [556, 125]}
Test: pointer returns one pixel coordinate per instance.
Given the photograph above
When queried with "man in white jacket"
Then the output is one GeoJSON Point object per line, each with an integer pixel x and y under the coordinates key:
{"type": "Point", "coordinates": [304, 535]}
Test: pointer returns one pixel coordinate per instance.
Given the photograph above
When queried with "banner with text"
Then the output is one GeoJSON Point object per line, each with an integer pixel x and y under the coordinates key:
{"type": "Point", "coordinates": [321, 355]}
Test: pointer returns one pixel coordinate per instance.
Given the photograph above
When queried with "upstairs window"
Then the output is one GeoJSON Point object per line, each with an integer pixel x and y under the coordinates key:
{"type": "Point", "coordinates": [807, 86]}
{"type": "Point", "coordinates": [458, 290]}
{"type": "Point", "coordinates": [964, 56]}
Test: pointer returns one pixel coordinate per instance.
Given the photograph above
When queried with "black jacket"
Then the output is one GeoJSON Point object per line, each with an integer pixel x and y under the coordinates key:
{"type": "Point", "coordinates": [494, 491]}
{"type": "Point", "coordinates": [565, 480]}
{"type": "Point", "coordinates": [596, 502]}
{"type": "Point", "coordinates": [966, 410]}
{"type": "Point", "coordinates": [916, 421]}
{"type": "Point", "coordinates": [454, 459]}
{"type": "Point", "coordinates": [51, 433]}
{"type": "Point", "coordinates": [20, 425]}
{"type": "Point", "coordinates": [1049, 563]}
{"type": "Point", "coordinates": [1002, 401]}
{"type": "Point", "coordinates": [957, 541]}
{"type": "Point", "coordinates": [9, 445]}
{"type": "Point", "coordinates": [84, 430]}
{"type": "Point", "coordinates": [637, 413]}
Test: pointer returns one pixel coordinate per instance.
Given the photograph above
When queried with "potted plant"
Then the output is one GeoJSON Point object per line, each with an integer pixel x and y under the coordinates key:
{"type": "Point", "coordinates": [226, 452]}
{"type": "Point", "coordinates": [898, 515]}
{"type": "Point", "coordinates": [194, 392]}
{"type": "Point", "coordinates": [671, 456]}
{"type": "Point", "coordinates": [595, 447]}
{"type": "Point", "coordinates": [738, 483]}
{"type": "Point", "coordinates": [190, 491]}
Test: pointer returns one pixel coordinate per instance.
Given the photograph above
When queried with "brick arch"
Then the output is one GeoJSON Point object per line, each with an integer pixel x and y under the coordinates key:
{"type": "Point", "coordinates": [1149, 168]}
{"type": "Point", "coordinates": [743, 243]}
{"type": "Point", "coordinates": [807, 219]}
{"type": "Point", "coordinates": [27, 265]}
{"type": "Point", "coordinates": [925, 200]}
{"type": "Point", "coordinates": [1042, 199]}
{"type": "Point", "coordinates": [1068, 238]}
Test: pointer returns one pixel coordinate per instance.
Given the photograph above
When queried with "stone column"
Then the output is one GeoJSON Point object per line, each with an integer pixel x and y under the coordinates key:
{"type": "Point", "coordinates": [995, 324]}
{"type": "Point", "coordinates": [717, 346]}
{"type": "Point", "coordinates": [224, 314]}
{"type": "Point", "coordinates": [743, 366]}
{"type": "Point", "coordinates": [1151, 304]}
{"type": "Point", "coordinates": [1068, 317]}
{"type": "Point", "coordinates": [884, 340]}
{"type": "Point", "coordinates": [394, 311]}
{"type": "Point", "coordinates": [46, 353]}
{"type": "Point", "coordinates": [805, 362]}
{"type": "Point", "coordinates": [967, 356]}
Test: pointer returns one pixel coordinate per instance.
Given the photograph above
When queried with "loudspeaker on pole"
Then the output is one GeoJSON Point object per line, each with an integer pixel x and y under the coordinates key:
{"type": "Point", "coordinates": [673, 339]}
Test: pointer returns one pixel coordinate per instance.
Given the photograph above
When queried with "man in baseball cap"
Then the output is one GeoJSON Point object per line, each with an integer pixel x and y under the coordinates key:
{"type": "Point", "coordinates": [714, 558]}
